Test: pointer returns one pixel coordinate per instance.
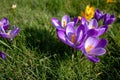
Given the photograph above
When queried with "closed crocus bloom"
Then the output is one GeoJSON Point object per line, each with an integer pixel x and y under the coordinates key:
{"type": "Point", "coordinates": [61, 25]}
{"type": "Point", "coordinates": [72, 36]}
{"type": "Point", "coordinates": [108, 19]}
{"type": "Point", "coordinates": [10, 34]}
{"type": "Point", "coordinates": [98, 15]}
{"type": "Point", "coordinates": [89, 12]}
{"type": "Point", "coordinates": [94, 47]}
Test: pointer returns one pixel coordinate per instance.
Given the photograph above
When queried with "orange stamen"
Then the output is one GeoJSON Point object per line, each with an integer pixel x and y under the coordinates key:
{"type": "Point", "coordinates": [89, 48]}
{"type": "Point", "coordinates": [73, 38]}
{"type": "Point", "coordinates": [93, 27]}
{"type": "Point", "coordinates": [64, 24]}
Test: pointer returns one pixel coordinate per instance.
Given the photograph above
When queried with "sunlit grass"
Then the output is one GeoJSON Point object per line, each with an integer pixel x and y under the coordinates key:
{"type": "Point", "coordinates": [37, 54]}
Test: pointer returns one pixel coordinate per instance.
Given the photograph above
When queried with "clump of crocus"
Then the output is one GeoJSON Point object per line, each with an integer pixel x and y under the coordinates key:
{"type": "Point", "coordinates": [83, 34]}
{"type": "Point", "coordinates": [89, 12]}
{"type": "Point", "coordinates": [10, 34]}
{"type": "Point", "coordinates": [5, 33]}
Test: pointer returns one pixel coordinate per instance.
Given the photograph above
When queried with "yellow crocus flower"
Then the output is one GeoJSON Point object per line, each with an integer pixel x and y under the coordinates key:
{"type": "Point", "coordinates": [111, 1]}
{"type": "Point", "coordinates": [89, 12]}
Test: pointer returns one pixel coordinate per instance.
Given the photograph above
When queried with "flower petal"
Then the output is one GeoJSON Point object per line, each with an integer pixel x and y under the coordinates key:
{"type": "Point", "coordinates": [91, 41]}
{"type": "Point", "coordinates": [102, 43]}
{"type": "Point", "coordinates": [76, 20]}
{"type": "Point", "coordinates": [93, 24]}
{"type": "Point", "coordinates": [5, 23]}
{"type": "Point", "coordinates": [97, 52]}
{"type": "Point", "coordinates": [93, 59]}
{"type": "Point", "coordinates": [70, 29]}
{"type": "Point", "coordinates": [108, 19]}
{"type": "Point", "coordinates": [14, 31]}
{"type": "Point", "coordinates": [92, 33]}
{"type": "Point", "coordinates": [4, 35]}
{"type": "Point", "coordinates": [56, 23]}
{"type": "Point", "coordinates": [98, 15]}
{"type": "Point", "coordinates": [80, 33]}
{"type": "Point", "coordinates": [61, 35]}
{"type": "Point", "coordinates": [68, 42]}
{"type": "Point", "coordinates": [2, 55]}
{"type": "Point", "coordinates": [65, 18]}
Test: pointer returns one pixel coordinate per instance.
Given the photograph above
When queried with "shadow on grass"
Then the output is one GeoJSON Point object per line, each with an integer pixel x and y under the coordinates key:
{"type": "Point", "coordinates": [45, 42]}
{"type": "Point", "coordinates": [111, 62]}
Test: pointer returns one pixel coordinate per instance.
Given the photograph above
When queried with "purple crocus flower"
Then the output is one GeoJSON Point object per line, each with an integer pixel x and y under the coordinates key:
{"type": "Point", "coordinates": [98, 15]}
{"type": "Point", "coordinates": [2, 55]}
{"type": "Point", "coordinates": [108, 19]}
{"type": "Point", "coordinates": [61, 25]}
{"type": "Point", "coordinates": [94, 47]}
{"type": "Point", "coordinates": [72, 36]}
{"type": "Point", "coordinates": [94, 30]}
{"type": "Point", "coordinates": [4, 23]}
{"type": "Point", "coordinates": [11, 33]}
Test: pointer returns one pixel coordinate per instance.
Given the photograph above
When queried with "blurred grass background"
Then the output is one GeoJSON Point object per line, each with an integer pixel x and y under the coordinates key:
{"type": "Point", "coordinates": [37, 54]}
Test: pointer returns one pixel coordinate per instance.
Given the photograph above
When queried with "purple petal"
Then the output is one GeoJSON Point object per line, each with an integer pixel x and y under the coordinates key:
{"type": "Point", "coordinates": [61, 35]}
{"type": "Point", "coordinates": [85, 23]}
{"type": "Point", "coordinates": [92, 33]}
{"type": "Point", "coordinates": [91, 41]}
{"type": "Point", "coordinates": [76, 20]}
{"type": "Point", "coordinates": [104, 26]}
{"type": "Point", "coordinates": [102, 43]}
{"type": "Point", "coordinates": [2, 55]}
{"type": "Point", "coordinates": [93, 24]}
{"type": "Point", "coordinates": [70, 29]}
{"type": "Point", "coordinates": [14, 32]}
{"type": "Point", "coordinates": [69, 43]}
{"type": "Point", "coordinates": [101, 31]}
{"type": "Point", "coordinates": [93, 59]}
{"type": "Point", "coordinates": [65, 18]}
{"type": "Point", "coordinates": [108, 19]}
{"type": "Point", "coordinates": [56, 23]}
{"type": "Point", "coordinates": [98, 15]}
{"type": "Point", "coordinates": [80, 32]}
{"type": "Point", "coordinates": [97, 52]}
{"type": "Point", "coordinates": [5, 23]}
{"type": "Point", "coordinates": [4, 35]}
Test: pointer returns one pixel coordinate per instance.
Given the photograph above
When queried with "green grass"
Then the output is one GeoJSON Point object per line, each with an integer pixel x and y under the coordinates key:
{"type": "Point", "coordinates": [37, 54]}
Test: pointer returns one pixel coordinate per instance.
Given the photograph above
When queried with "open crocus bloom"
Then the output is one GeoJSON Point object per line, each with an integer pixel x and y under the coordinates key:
{"type": "Point", "coordinates": [4, 23]}
{"type": "Point", "coordinates": [72, 36]}
{"type": "Point", "coordinates": [94, 30]}
{"type": "Point", "coordinates": [10, 34]}
{"type": "Point", "coordinates": [108, 19]}
{"type": "Point", "coordinates": [2, 55]}
{"type": "Point", "coordinates": [61, 25]}
{"type": "Point", "coordinates": [94, 47]}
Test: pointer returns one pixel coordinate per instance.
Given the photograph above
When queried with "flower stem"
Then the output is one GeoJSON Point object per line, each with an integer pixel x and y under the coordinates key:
{"type": "Point", "coordinates": [73, 54]}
